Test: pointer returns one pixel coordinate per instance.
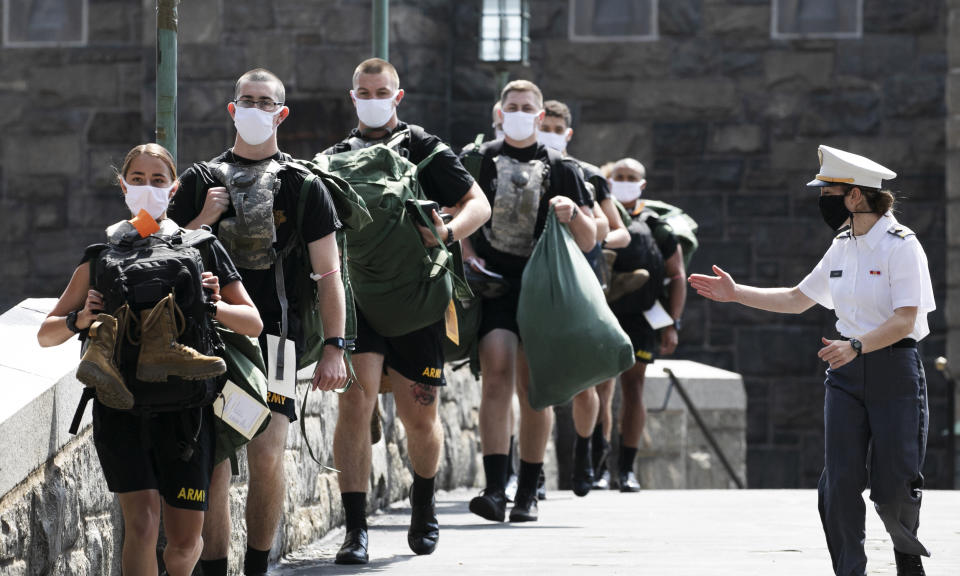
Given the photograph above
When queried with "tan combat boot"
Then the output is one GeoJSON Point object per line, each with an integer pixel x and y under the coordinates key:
{"type": "Point", "coordinates": [624, 283]}
{"type": "Point", "coordinates": [98, 369]}
{"type": "Point", "coordinates": [161, 356]}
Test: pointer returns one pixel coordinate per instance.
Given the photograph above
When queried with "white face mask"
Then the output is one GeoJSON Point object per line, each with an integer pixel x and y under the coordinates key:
{"type": "Point", "coordinates": [553, 140]}
{"type": "Point", "coordinates": [626, 192]}
{"type": "Point", "coordinates": [519, 125]}
{"type": "Point", "coordinates": [150, 198]}
{"type": "Point", "coordinates": [253, 124]}
{"type": "Point", "coordinates": [374, 112]}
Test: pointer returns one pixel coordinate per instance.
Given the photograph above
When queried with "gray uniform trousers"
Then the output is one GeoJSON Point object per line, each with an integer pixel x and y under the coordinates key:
{"type": "Point", "coordinates": [875, 407]}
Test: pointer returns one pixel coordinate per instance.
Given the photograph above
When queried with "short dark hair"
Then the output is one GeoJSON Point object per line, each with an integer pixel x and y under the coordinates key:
{"type": "Point", "coordinates": [262, 75]}
{"type": "Point", "coordinates": [558, 109]}
{"type": "Point", "coordinates": [376, 66]}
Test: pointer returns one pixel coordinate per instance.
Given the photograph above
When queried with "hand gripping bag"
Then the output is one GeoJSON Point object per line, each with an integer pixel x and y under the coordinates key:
{"type": "Point", "coordinates": [571, 338]}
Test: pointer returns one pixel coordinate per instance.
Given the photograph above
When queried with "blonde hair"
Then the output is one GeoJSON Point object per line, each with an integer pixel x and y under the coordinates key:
{"type": "Point", "coordinates": [522, 86]}
{"type": "Point", "coordinates": [151, 149]}
{"type": "Point", "coordinates": [377, 66]}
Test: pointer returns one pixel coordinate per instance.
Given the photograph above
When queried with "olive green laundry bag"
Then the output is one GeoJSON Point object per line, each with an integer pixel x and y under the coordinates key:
{"type": "Point", "coordinates": [571, 338]}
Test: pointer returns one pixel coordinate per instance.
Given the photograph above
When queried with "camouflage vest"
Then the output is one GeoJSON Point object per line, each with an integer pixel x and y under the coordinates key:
{"type": "Point", "coordinates": [249, 236]}
{"type": "Point", "coordinates": [519, 187]}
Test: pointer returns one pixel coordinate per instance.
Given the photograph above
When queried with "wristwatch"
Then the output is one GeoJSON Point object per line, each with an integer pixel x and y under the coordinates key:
{"type": "Point", "coordinates": [72, 321]}
{"type": "Point", "coordinates": [336, 342]}
{"type": "Point", "coordinates": [211, 308]}
{"type": "Point", "coordinates": [449, 236]}
{"type": "Point", "coordinates": [677, 323]}
{"type": "Point", "coordinates": [857, 345]}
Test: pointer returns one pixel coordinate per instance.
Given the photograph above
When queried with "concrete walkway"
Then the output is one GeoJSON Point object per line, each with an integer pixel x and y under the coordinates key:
{"type": "Point", "coordinates": [675, 533]}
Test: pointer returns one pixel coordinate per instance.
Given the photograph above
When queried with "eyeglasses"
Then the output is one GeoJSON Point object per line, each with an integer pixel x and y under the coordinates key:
{"type": "Point", "coordinates": [265, 105]}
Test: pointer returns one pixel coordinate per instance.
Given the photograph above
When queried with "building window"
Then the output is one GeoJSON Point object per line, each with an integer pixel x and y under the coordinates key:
{"type": "Point", "coordinates": [817, 19]}
{"type": "Point", "coordinates": [504, 31]}
{"type": "Point", "coordinates": [44, 22]}
{"type": "Point", "coordinates": [613, 20]}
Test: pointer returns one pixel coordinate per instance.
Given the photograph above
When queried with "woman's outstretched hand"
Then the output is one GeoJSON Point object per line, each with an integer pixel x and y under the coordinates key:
{"type": "Point", "coordinates": [720, 288]}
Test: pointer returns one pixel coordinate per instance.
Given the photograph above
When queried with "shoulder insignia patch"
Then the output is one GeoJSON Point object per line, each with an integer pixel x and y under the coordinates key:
{"type": "Point", "coordinates": [900, 231]}
{"type": "Point", "coordinates": [843, 235]}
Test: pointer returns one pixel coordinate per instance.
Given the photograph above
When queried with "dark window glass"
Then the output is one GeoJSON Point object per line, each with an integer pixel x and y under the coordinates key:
{"type": "Point", "coordinates": [44, 21]}
{"type": "Point", "coordinates": [818, 17]}
{"type": "Point", "coordinates": [613, 19]}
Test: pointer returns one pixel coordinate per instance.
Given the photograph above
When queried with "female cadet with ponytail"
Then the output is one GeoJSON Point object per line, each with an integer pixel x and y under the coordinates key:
{"type": "Point", "coordinates": [875, 277]}
{"type": "Point", "coordinates": [135, 452]}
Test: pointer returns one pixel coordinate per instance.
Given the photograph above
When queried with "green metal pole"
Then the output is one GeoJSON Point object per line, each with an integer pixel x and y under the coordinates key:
{"type": "Point", "coordinates": [167, 75]}
{"type": "Point", "coordinates": [381, 29]}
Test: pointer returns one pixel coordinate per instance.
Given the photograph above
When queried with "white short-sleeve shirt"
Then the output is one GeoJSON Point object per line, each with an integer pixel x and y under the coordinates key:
{"type": "Point", "coordinates": [865, 278]}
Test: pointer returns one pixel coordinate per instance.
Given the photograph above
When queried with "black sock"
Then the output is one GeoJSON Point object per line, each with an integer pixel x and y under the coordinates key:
{"type": "Point", "coordinates": [510, 469]}
{"type": "Point", "coordinates": [600, 446]}
{"type": "Point", "coordinates": [581, 449]}
{"type": "Point", "coordinates": [627, 456]}
{"type": "Point", "coordinates": [354, 510]}
{"type": "Point", "coordinates": [422, 489]}
{"type": "Point", "coordinates": [216, 567]}
{"type": "Point", "coordinates": [255, 561]}
{"type": "Point", "coordinates": [529, 475]}
{"type": "Point", "coordinates": [495, 469]}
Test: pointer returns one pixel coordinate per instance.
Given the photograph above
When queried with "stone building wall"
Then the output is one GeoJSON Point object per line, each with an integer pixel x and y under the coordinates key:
{"type": "Point", "coordinates": [953, 198]}
{"type": "Point", "coordinates": [726, 120]}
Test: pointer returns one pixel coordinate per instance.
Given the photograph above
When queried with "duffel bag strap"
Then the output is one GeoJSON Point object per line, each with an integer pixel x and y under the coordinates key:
{"type": "Point", "coordinates": [87, 395]}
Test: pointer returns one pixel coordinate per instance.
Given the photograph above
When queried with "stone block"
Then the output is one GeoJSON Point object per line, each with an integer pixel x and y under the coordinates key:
{"type": "Point", "coordinates": [694, 57]}
{"type": "Point", "coordinates": [772, 467]}
{"type": "Point", "coordinates": [736, 21]}
{"type": "Point", "coordinates": [914, 96]}
{"type": "Point", "coordinates": [737, 138]}
{"type": "Point", "coordinates": [680, 17]}
{"type": "Point", "coordinates": [327, 69]}
{"type": "Point", "coordinates": [770, 205]}
{"type": "Point", "coordinates": [707, 210]}
{"type": "Point", "coordinates": [874, 55]}
{"type": "Point", "coordinates": [679, 139]}
{"type": "Point", "coordinates": [201, 22]}
{"type": "Point", "coordinates": [61, 154]}
{"type": "Point", "coordinates": [896, 17]}
{"type": "Point", "coordinates": [76, 85]}
{"type": "Point", "coordinates": [846, 111]}
{"type": "Point", "coordinates": [203, 62]}
{"type": "Point", "coordinates": [113, 22]}
{"type": "Point", "coordinates": [799, 69]}
{"type": "Point", "coordinates": [737, 64]}
{"type": "Point", "coordinates": [344, 23]}
{"type": "Point", "coordinates": [37, 188]}
{"type": "Point", "coordinates": [768, 351]}
{"type": "Point", "coordinates": [245, 15]}
{"type": "Point", "coordinates": [113, 127]}
{"type": "Point", "coordinates": [616, 142]}
{"type": "Point", "coordinates": [733, 257]}
{"type": "Point", "coordinates": [710, 175]}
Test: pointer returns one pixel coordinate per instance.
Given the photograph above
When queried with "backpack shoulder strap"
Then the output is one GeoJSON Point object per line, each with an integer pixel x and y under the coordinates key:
{"type": "Point", "coordinates": [87, 395]}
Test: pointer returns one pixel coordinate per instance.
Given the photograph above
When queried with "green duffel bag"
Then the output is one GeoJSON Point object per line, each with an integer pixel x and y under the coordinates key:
{"type": "Point", "coordinates": [246, 369]}
{"type": "Point", "coordinates": [571, 338]}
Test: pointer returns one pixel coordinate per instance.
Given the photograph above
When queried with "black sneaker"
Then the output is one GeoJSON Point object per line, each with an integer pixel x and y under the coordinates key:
{"type": "Point", "coordinates": [490, 504]}
{"type": "Point", "coordinates": [524, 508]}
{"type": "Point", "coordinates": [629, 483]}
{"type": "Point", "coordinates": [542, 486]}
{"type": "Point", "coordinates": [908, 564]}
{"type": "Point", "coordinates": [424, 532]}
{"type": "Point", "coordinates": [511, 488]}
{"type": "Point", "coordinates": [354, 548]}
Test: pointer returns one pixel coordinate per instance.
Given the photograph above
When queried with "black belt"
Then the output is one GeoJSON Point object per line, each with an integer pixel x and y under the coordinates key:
{"type": "Point", "coordinates": [905, 343]}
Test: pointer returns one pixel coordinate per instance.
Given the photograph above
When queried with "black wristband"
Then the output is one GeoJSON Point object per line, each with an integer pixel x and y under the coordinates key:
{"type": "Point", "coordinates": [449, 239]}
{"type": "Point", "coordinates": [72, 321]}
{"type": "Point", "coordinates": [211, 308]}
{"type": "Point", "coordinates": [336, 342]}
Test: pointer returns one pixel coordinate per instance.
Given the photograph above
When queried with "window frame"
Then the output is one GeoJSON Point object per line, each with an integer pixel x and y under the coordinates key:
{"type": "Point", "coordinates": [777, 35]}
{"type": "Point", "coordinates": [84, 30]}
{"type": "Point", "coordinates": [652, 37]}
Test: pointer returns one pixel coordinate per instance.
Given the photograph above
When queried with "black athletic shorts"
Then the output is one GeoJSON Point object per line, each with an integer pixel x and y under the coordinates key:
{"type": "Point", "coordinates": [645, 340]}
{"type": "Point", "coordinates": [501, 312]}
{"type": "Point", "coordinates": [278, 402]}
{"type": "Point", "coordinates": [144, 453]}
{"type": "Point", "coordinates": [417, 356]}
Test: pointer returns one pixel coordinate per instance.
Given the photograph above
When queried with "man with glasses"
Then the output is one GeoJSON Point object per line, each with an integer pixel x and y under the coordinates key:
{"type": "Point", "coordinates": [249, 197]}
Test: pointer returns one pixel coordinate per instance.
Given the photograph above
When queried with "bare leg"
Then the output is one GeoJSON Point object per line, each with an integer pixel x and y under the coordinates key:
{"type": "Point", "coordinates": [535, 425]}
{"type": "Point", "coordinates": [216, 522]}
{"type": "Point", "coordinates": [586, 406]}
{"type": "Point", "coordinates": [417, 408]}
{"type": "Point", "coordinates": [633, 412]}
{"type": "Point", "coordinates": [141, 526]}
{"type": "Point", "coordinates": [351, 441]}
{"type": "Point", "coordinates": [266, 486]}
{"type": "Point", "coordinates": [605, 392]}
{"type": "Point", "coordinates": [184, 542]}
{"type": "Point", "coordinates": [498, 353]}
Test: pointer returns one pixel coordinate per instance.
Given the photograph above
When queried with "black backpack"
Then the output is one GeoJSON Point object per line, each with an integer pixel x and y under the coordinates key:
{"type": "Point", "coordinates": [642, 252]}
{"type": "Point", "coordinates": [140, 272]}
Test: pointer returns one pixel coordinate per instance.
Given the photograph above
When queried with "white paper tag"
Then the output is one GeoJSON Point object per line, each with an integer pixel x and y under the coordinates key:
{"type": "Point", "coordinates": [240, 410]}
{"type": "Point", "coordinates": [287, 384]}
{"type": "Point", "coordinates": [657, 316]}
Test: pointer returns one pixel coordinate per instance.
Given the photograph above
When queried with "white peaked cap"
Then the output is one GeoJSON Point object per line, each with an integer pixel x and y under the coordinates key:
{"type": "Point", "coordinates": [840, 167]}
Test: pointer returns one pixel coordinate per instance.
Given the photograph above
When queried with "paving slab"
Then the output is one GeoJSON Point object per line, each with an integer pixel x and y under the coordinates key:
{"type": "Point", "coordinates": [655, 532]}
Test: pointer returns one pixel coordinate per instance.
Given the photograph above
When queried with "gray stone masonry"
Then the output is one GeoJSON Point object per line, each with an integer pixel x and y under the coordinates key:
{"type": "Point", "coordinates": [725, 119]}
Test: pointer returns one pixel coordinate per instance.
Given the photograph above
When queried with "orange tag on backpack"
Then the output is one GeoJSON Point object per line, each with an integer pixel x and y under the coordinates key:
{"type": "Point", "coordinates": [145, 224]}
{"type": "Point", "coordinates": [453, 330]}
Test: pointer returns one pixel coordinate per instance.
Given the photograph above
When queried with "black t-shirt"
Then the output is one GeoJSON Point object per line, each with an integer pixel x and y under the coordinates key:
{"type": "Point", "coordinates": [592, 174]}
{"type": "Point", "coordinates": [627, 257]}
{"type": "Point", "coordinates": [319, 220]}
{"type": "Point", "coordinates": [444, 180]}
{"type": "Point", "coordinates": [565, 180]}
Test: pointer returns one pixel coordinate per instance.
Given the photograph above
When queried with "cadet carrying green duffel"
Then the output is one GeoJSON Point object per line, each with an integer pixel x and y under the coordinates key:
{"type": "Point", "coordinates": [399, 284]}
{"type": "Point", "coordinates": [571, 338]}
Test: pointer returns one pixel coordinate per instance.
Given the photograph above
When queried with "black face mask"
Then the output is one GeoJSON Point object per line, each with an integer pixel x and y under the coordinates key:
{"type": "Point", "coordinates": [833, 211]}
